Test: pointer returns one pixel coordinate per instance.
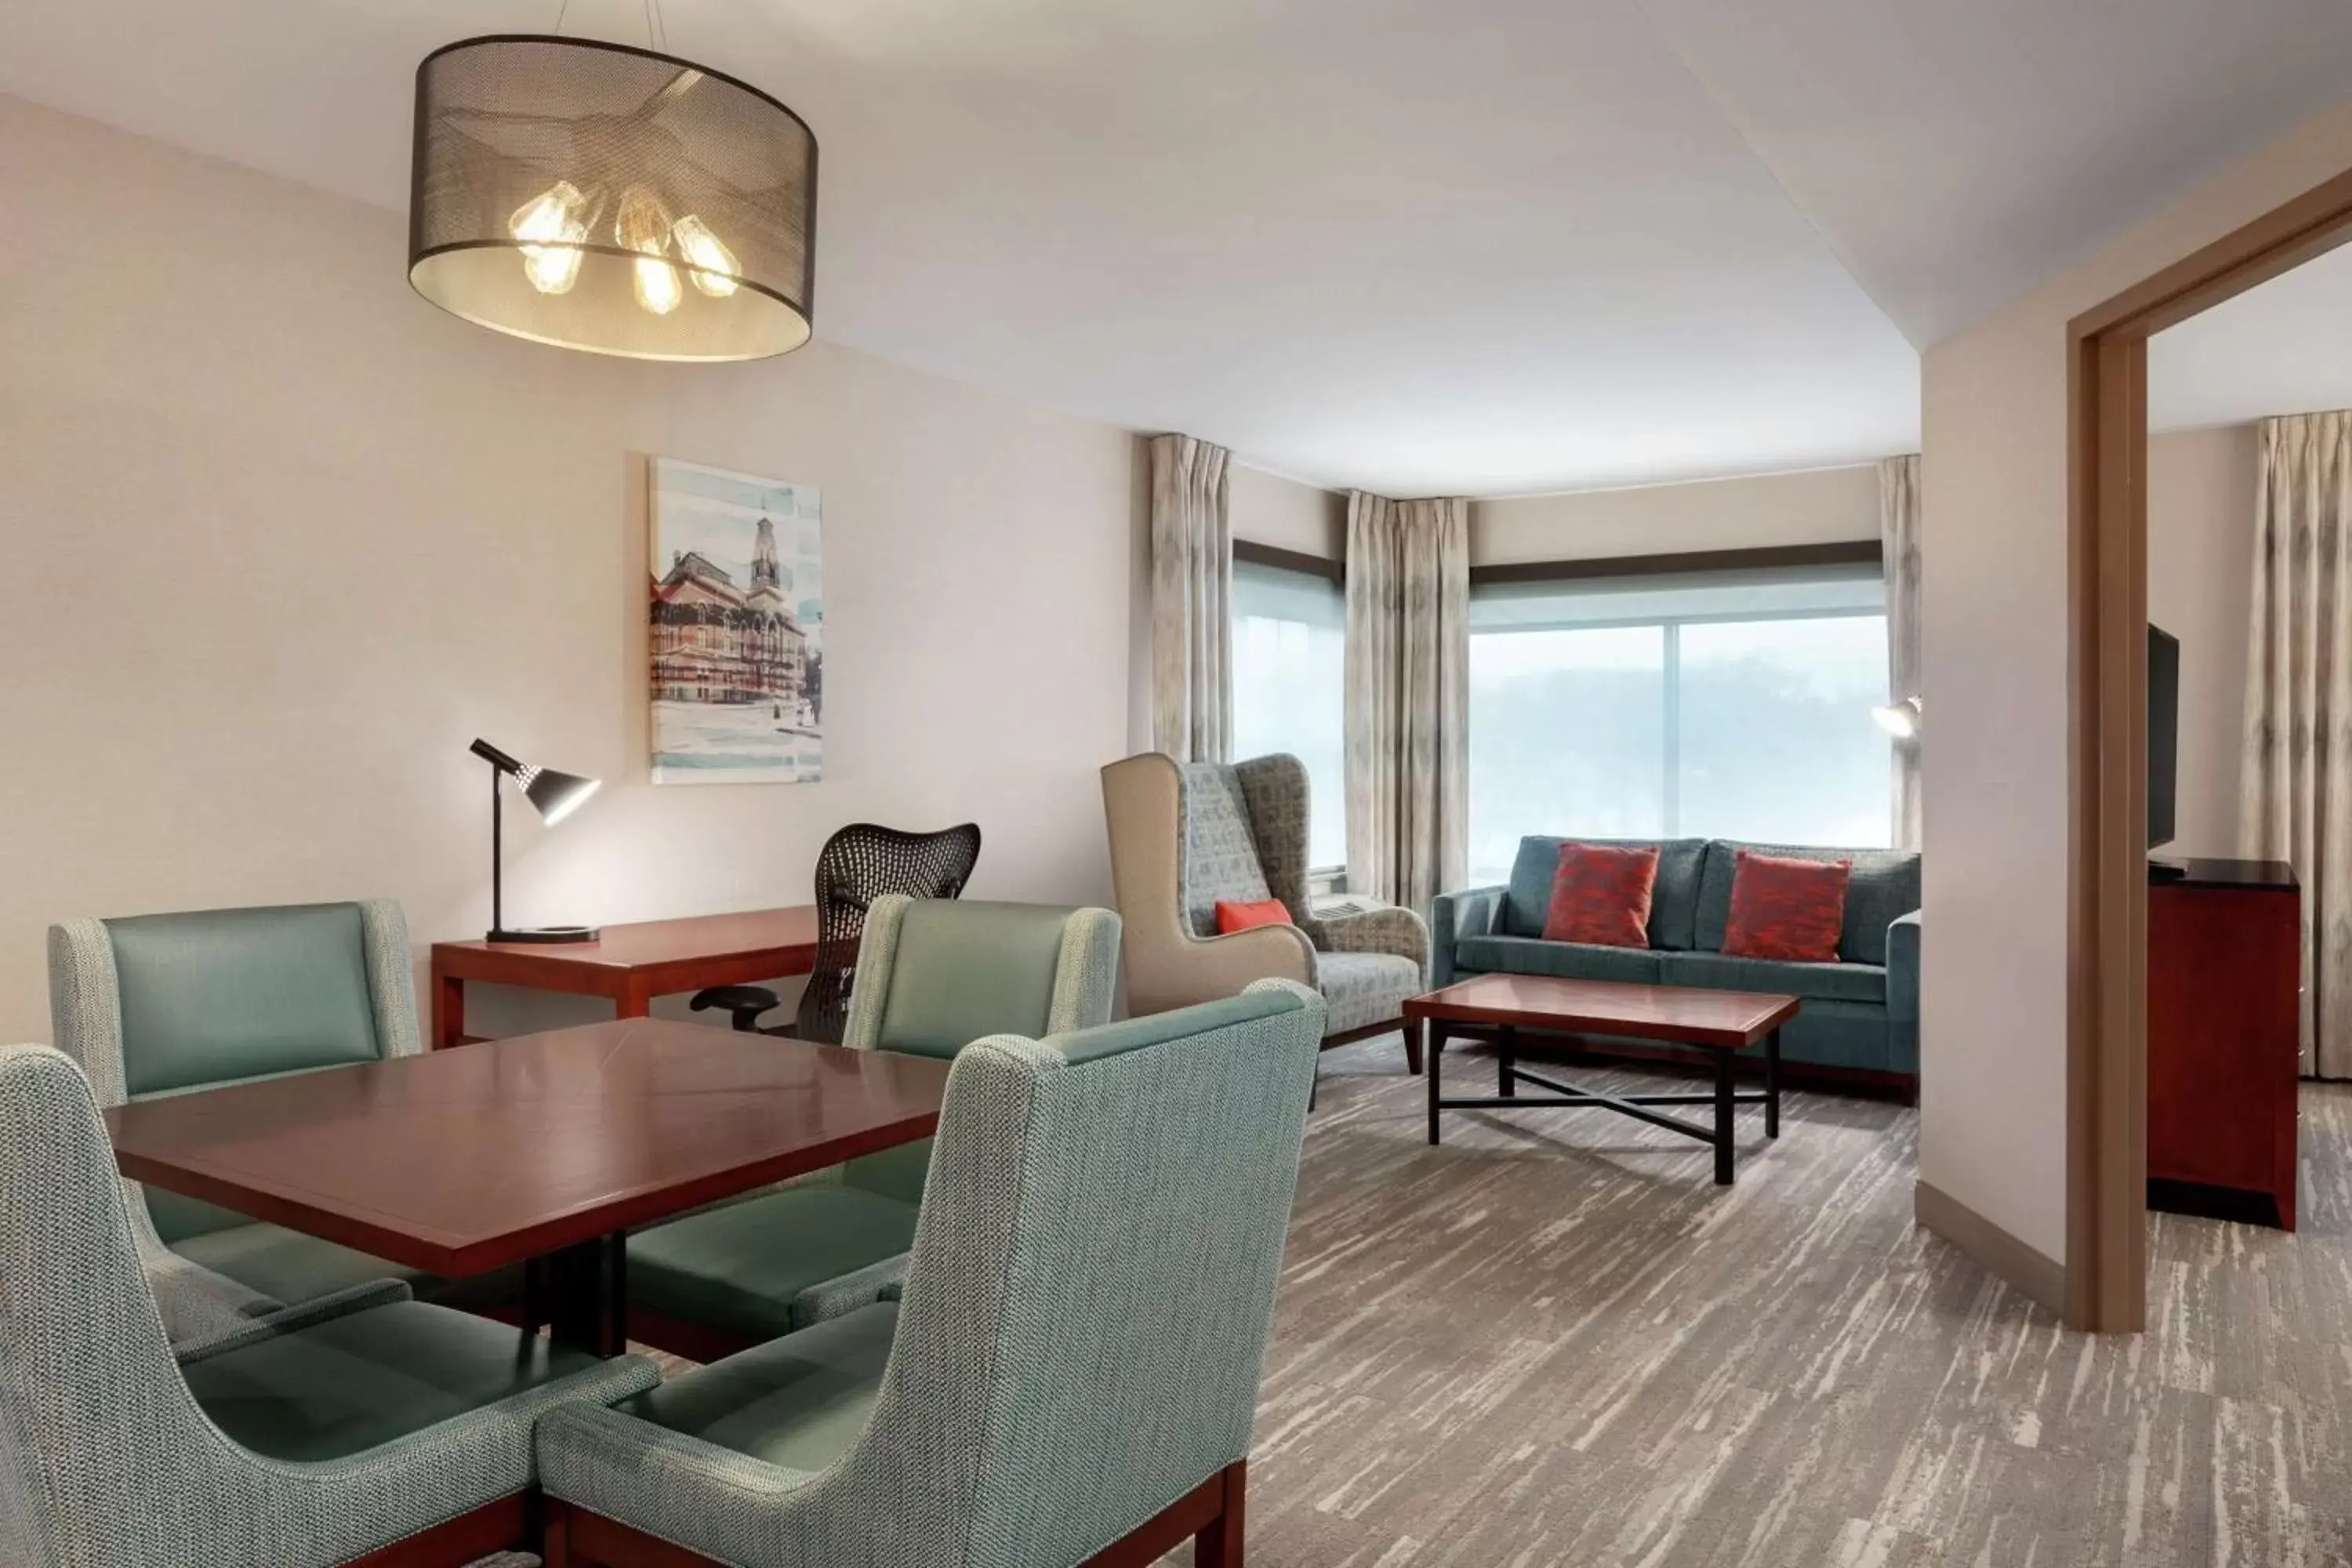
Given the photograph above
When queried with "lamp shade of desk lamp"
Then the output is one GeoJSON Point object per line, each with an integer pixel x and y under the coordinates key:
{"type": "Point", "coordinates": [554, 796]}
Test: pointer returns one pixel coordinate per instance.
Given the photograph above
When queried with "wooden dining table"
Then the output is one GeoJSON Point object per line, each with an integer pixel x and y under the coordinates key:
{"type": "Point", "coordinates": [543, 1150]}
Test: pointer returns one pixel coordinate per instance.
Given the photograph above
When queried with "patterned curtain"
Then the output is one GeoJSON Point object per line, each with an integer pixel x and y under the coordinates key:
{"type": "Point", "coordinates": [1898, 535]}
{"type": "Point", "coordinates": [1191, 602]}
{"type": "Point", "coordinates": [2295, 772]}
{"type": "Point", "coordinates": [1408, 710]}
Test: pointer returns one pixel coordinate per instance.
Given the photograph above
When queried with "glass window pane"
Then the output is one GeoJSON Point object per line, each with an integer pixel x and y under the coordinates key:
{"type": "Point", "coordinates": [1776, 738]}
{"type": "Point", "coordinates": [1289, 651]}
{"type": "Point", "coordinates": [1567, 735]}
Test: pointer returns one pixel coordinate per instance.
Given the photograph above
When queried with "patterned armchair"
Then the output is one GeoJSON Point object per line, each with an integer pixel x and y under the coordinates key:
{"type": "Point", "coordinates": [328, 1434]}
{"type": "Point", "coordinates": [1183, 836]}
{"type": "Point", "coordinates": [1074, 1360]}
{"type": "Point", "coordinates": [157, 1004]}
{"type": "Point", "coordinates": [932, 977]}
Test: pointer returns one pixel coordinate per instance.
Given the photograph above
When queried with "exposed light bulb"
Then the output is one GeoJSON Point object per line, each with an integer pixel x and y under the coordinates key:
{"type": "Point", "coordinates": [643, 227]}
{"type": "Point", "coordinates": [658, 290]}
{"type": "Point", "coordinates": [710, 264]}
{"type": "Point", "coordinates": [554, 216]}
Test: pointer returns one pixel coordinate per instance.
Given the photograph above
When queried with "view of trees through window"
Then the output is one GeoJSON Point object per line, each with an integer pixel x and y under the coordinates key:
{"type": "Point", "coordinates": [1707, 706]}
{"type": "Point", "coordinates": [1749, 728]}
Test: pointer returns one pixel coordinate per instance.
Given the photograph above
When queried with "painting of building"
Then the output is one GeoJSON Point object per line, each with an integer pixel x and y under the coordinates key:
{"type": "Point", "coordinates": [736, 642]}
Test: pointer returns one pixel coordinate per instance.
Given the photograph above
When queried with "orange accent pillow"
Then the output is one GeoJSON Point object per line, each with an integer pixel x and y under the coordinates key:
{"type": "Point", "coordinates": [1784, 908]}
{"type": "Point", "coordinates": [1600, 895]}
{"type": "Point", "coordinates": [1232, 917]}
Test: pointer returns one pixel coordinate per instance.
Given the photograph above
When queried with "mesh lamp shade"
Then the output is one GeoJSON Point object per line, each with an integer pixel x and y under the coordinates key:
{"type": "Point", "coordinates": [607, 198]}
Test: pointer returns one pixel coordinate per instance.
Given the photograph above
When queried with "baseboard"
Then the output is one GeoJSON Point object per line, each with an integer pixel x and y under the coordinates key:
{"type": "Point", "coordinates": [2014, 1262]}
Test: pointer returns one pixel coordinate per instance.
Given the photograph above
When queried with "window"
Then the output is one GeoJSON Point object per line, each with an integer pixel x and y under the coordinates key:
{"type": "Point", "coordinates": [1289, 688]}
{"type": "Point", "coordinates": [1725, 705]}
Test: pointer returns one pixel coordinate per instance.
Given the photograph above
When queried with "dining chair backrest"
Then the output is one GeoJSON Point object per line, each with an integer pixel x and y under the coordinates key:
{"type": "Point", "coordinates": [1086, 1309]}
{"type": "Point", "coordinates": [163, 1004]}
{"type": "Point", "coordinates": [96, 1422]}
{"type": "Point", "coordinates": [934, 976]}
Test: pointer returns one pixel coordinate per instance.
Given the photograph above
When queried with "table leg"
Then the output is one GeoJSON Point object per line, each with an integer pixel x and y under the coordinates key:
{"type": "Point", "coordinates": [581, 1293]}
{"type": "Point", "coordinates": [1506, 1040]}
{"type": "Point", "coordinates": [448, 1011]}
{"type": "Point", "coordinates": [1437, 1070]}
{"type": "Point", "coordinates": [1724, 1120]}
{"type": "Point", "coordinates": [634, 1002]}
{"type": "Point", "coordinates": [1772, 1084]}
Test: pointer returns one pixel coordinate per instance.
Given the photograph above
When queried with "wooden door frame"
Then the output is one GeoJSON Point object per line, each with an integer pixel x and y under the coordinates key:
{"type": "Point", "coordinates": [2106, 986]}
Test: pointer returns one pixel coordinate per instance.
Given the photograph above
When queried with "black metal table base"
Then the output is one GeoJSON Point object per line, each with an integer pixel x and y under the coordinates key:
{"type": "Point", "coordinates": [1726, 1097]}
{"type": "Point", "coordinates": [581, 1295]}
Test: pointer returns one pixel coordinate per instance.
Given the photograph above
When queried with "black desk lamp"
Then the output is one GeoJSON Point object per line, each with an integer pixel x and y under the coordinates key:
{"type": "Point", "coordinates": [556, 795]}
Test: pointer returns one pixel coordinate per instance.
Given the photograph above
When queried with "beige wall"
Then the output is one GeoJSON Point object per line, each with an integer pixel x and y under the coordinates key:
{"type": "Point", "coordinates": [282, 538]}
{"type": "Point", "coordinates": [2200, 553]}
{"type": "Point", "coordinates": [1818, 507]}
{"type": "Point", "coordinates": [1267, 509]}
{"type": "Point", "coordinates": [1993, 1109]}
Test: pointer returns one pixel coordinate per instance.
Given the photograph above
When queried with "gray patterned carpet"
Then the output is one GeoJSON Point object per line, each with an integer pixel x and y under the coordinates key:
{"type": "Point", "coordinates": [1554, 1341]}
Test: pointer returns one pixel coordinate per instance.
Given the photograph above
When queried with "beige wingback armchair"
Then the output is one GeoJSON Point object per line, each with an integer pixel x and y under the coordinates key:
{"type": "Point", "coordinates": [1185, 835]}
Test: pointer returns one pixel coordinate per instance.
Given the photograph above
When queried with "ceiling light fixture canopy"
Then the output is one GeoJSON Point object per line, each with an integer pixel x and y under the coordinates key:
{"type": "Point", "coordinates": [603, 198]}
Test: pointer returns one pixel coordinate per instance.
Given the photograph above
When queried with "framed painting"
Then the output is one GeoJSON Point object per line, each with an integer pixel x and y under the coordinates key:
{"type": "Point", "coordinates": [736, 645]}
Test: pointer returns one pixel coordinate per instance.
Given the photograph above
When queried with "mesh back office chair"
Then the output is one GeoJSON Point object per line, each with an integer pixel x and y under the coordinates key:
{"type": "Point", "coordinates": [857, 865]}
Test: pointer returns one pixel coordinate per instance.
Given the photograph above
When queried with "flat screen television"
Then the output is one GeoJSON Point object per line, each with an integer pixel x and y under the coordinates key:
{"type": "Point", "coordinates": [2163, 732]}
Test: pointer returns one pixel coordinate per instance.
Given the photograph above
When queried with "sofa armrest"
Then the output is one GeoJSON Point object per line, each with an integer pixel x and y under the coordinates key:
{"type": "Point", "coordinates": [1452, 916]}
{"type": "Point", "coordinates": [1390, 928]}
{"type": "Point", "coordinates": [1903, 993]}
{"type": "Point", "coordinates": [1183, 969]}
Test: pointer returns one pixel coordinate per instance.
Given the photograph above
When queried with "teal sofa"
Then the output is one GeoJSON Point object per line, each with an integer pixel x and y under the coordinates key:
{"type": "Point", "coordinates": [1861, 1013]}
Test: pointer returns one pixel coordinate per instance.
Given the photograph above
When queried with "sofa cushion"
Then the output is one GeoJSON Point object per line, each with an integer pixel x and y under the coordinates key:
{"type": "Point", "coordinates": [235, 994]}
{"type": "Point", "coordinates": [1232, 917]}
{"type": "Point", "coordinates": [797, 1403]}
{"type": "Point", "coordinates": [354, 1382]}
{"type": "Point", "coordinates": [1883, 885]}
{"type": "Point", "coordinates": [740, 1266]}
{"type": "Point", "coordinates": [1602, 894]}
{"type": "Point", "coordinates": [1567, 960]}
{"type": "Point", "coordinates": [1786, 907]}
{"type": "Point", "coordinates": [1718, 971]}
{"type": "Point", "coordinates": [1674, 897]}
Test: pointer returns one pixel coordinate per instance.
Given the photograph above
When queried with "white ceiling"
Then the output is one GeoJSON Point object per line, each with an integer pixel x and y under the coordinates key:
{"type": "Point", "coordinates": [2283, 348]}
{"type": "Point", "coordinates": [1421, 246]}
{"type": "Point", "coordinates": [1958, 152]}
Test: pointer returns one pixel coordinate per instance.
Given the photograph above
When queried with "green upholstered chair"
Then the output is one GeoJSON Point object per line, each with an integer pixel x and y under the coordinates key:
{"type": "Point", "coordinates": [933, 975]}
{"type": "Point", "coordinates": [330, 1432]}
{"type": "Point", "coordinates": [161, 1005]}
{"type": "Point", "coordinates": [1075, 1359]}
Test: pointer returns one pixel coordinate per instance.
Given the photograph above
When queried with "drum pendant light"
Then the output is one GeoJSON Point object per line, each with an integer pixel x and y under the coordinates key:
{"type": "Point", "coordinates": [598, 197]}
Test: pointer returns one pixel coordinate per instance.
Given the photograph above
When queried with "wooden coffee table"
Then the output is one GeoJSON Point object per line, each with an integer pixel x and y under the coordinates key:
{"type": "Point", "coordinates": [1725, 1022]}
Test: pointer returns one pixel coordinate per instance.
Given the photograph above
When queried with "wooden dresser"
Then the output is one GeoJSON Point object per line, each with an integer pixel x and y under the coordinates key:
{"type": "Point", "coordinates": [2224, 973]}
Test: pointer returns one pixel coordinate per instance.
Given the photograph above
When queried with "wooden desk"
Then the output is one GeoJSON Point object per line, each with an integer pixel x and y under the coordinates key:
{"type": "Point", "coordinates": [542, 1149]}
{"type": "Point", "coordinates": [628, 964]}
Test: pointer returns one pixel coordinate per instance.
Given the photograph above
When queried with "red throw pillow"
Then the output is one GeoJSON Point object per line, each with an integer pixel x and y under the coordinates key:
{"type": "Point", "coordinates": [1600, 894]}
{"type": "Point", "coordinates": [1783, 908]}
{"type": "Point", "coordinates": [1232, 917]}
